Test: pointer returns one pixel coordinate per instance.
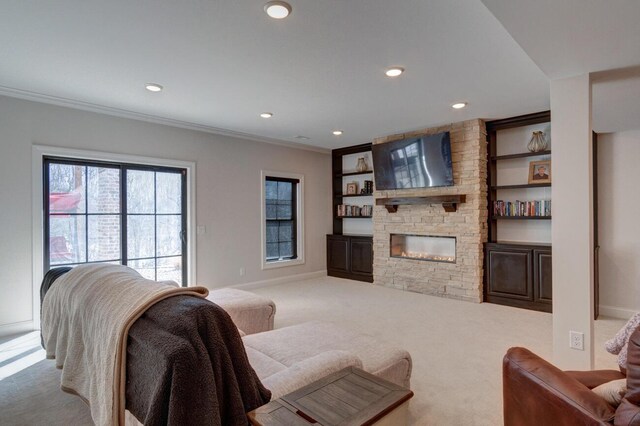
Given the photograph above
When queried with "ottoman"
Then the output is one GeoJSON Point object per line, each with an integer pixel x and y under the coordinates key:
{"type": "Point", "coordinates": [250, 312]}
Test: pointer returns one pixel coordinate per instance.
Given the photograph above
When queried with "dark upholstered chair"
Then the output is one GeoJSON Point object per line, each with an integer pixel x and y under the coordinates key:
{"type": "Point", "coordinates": [537, 393]}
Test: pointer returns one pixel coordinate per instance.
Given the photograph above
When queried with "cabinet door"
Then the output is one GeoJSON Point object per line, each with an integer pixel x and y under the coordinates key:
{"type": "Point", "coordinates": [362, 256]}
{"type": "Point", "coordinates": [542, 275]}
{"type": "Point", "coordinates": [509, 273]}
{"type": "Point", "coordinates": [337, 253]}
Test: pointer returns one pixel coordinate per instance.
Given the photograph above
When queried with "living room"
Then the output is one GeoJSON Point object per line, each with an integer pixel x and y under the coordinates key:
{"type": "Point", "coordinates": [242, 99]}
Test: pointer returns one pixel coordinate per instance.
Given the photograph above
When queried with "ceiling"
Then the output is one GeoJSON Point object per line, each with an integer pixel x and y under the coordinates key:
{"type": "Point", "coordinates": [223, 62]}
{"type": "Point", "coordinates": [575, 37]}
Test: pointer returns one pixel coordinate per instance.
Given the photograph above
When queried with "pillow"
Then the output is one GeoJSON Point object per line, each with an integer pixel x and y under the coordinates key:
{"type": "Point", "coordinates": [618, 344]}
{"type": "Point", "coordinates": [612, 391]}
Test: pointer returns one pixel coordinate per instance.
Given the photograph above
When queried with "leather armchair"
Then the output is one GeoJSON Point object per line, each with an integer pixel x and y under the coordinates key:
{"type": "Point", "coordinates": [537, 393]}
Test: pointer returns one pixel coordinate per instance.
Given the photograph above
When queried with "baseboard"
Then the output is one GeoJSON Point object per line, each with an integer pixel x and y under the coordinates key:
{"type": "Point", "coordinates": [281, 280]}
{"type": "Point", "coordinates": [616, 312]}
{"type": "Point", "coordinates": [16, 328]}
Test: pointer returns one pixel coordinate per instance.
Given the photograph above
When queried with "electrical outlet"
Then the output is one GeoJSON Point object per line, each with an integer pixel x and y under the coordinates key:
{"type": "Point", "coordinates": [576, 340]}
{"type": "Point", "coordinates": [242, 271]}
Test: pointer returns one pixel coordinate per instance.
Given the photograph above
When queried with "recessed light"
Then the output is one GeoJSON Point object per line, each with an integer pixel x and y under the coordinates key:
{"type": "Point", "coordinates": [337, 132]}
{"type": "Point", "coordinates": [459, 105]}
{"type": "Point", "coordinates": [394, 71]}
{"type": "Point", "coordinates": [153, 87]}
{"type": "Point", "coordinates": [277, 9]}
{"type": "Point", "coordinates": [266, 115]}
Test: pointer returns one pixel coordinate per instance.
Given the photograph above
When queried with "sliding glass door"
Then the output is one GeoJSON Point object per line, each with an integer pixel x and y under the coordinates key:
{"type": "Point", "coordinates": [116, 213]}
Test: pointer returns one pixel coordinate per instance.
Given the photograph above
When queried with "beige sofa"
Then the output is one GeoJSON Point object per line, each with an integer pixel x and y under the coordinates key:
{"type": "Point", "coordinates": [291, 357]}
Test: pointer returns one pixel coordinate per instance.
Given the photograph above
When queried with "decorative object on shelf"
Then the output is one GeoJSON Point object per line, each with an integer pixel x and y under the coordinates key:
{"type": "Point", "coordinates": [538, 142]}
{"type": "Point", "coordinates": [362, 164]}
{"type": "Point", "coordinates": [352, 188]}
{"type": "Point", "coordinates": [368, 188]}
{"type": "Point", "coordinates": [540, 171]}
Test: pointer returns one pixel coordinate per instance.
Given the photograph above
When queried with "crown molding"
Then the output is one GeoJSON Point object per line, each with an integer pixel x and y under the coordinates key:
{"type": "Point", "coordinates": [123, 113]}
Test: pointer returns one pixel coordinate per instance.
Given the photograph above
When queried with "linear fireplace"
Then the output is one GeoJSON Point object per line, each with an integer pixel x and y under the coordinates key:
{"type": "Point", "coordinates": [423, 247]}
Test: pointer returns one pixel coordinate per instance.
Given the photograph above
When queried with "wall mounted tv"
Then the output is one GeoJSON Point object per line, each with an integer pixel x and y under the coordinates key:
{"type": "Point", "coordinates": [420, 162]}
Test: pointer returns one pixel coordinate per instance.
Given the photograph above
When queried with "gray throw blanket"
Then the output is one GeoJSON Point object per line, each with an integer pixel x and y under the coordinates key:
{"type": "Point", "coordinates": [186, 365]}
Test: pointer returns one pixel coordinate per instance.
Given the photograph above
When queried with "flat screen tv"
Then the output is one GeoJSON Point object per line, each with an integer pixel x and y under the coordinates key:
{"type": "Point", "coordinates": [420, 162]}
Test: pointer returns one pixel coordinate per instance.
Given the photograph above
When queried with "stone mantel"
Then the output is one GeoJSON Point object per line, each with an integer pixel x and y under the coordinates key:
{"type": "Point", "coordinates": [449, 202]}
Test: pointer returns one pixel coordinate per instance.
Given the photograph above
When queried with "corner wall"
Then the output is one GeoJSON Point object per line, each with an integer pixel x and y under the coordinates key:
{"type": "Point", "coordinates": [462, 280]}
{"type": "Point", "coordinates": [618, 224]}
{"type": "Point", "coordinates": [227, 193]}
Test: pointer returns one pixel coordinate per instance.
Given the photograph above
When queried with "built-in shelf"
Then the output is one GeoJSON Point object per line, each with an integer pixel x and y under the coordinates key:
{"type": "Point", "coordinates": [353, 217]}
{"type": "Point", "coordinates": [368, 172]}
{"type": "Point", "coordinates": [526, 185]}
{"type": "Point", "coordinates": [521, 155]}
{"type": "Point", "coordinates": [449, 202]}
{"type": "Point", "coordinates": [353, 195]}
{"type": "Point", "coordinates": [520, 217]}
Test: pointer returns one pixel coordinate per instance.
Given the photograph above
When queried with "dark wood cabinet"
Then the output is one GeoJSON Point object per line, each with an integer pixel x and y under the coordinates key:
{"type": "Point", "coordinates": [542, 275]}
{"type": "Point", "coordinates": [338, 253]}
{"type": "Point", "coordinates": [518, 275]}
{"type": "Point", "coordinates": [350, 256]}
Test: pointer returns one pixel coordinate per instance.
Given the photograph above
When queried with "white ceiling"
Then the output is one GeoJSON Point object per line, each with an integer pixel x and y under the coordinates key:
{"type": "Point", "coordinates": [222, 62]}
{"type": "Point", "coordinates": [575, 37]}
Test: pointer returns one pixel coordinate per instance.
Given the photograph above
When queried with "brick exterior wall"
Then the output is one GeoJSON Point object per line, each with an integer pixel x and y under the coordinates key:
{"type": "Point", "coordinates": [462, 280]}
{"type": "Point", "coordinates": [104, 235]}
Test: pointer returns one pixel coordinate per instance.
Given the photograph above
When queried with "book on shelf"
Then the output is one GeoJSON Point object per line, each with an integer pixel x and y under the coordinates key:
{"type": "Point", "coordinates": [367, 187]}
{"type": "Point", "coordinates": [345, 210]}
{"type": "Point", "coordinates": [537, 208]}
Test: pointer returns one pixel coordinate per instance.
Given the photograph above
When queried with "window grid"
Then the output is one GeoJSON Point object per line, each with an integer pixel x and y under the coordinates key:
{"type": "Point", "coordinates": [122, 213]}
{"type": "Point", "coordinates": [284, 224]}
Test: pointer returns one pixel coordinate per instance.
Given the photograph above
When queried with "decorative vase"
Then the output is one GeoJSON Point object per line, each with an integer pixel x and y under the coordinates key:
{"type": "Point", "coordinates": [538, 142]}
{"type": "Point", "coordinates": [362, 165]}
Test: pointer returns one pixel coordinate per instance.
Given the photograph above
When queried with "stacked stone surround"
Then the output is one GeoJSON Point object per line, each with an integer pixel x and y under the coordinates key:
{"type": "Point", "coordinates": [462, 280]}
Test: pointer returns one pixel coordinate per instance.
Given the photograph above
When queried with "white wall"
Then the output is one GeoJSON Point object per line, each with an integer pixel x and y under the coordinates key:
{"type": "Point", "coordinates": [619, 223]}
{"type": "Point", "coordinates": [572, 227]}
{"type": "Point", "coordinates": [227, 191]}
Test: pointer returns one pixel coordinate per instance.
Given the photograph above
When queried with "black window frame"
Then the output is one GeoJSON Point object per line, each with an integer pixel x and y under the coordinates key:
{"type": "Point", "coordinates": [294, 219]}
{"type": "Point", "coordinates": [123, 167]}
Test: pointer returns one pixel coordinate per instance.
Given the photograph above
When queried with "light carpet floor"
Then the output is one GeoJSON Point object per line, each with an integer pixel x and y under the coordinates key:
{"type": "Point", "coordinates": [457, 350]}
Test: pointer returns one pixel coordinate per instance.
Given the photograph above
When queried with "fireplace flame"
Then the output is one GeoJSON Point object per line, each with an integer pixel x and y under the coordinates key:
{"type": "Point", "coordinates": [427, 256]}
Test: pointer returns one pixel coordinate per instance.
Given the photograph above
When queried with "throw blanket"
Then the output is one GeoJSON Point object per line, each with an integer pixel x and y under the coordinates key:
{"type": "Point", "coordinates": [186, 365]}
{"type": "Point", "coordinates": [86, 317]}
{"type": "Point", "coordinates": [619, 343]}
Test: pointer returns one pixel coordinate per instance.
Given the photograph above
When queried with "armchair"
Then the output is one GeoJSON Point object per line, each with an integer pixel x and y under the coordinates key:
{"type": "Point", "coordinates": [537, 393]}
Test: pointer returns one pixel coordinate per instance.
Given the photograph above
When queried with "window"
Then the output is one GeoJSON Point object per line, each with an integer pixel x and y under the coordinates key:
{"type": "Point", "coordinates": [100, 212]}
{"type": "Point", "coordinates": [282, 218]}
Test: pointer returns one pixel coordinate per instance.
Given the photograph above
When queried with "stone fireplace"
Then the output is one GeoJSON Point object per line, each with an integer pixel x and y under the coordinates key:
{"type": "Point", "coordinates": [458, 272]}
{"type": "Point", "coordinates": [423, 247]}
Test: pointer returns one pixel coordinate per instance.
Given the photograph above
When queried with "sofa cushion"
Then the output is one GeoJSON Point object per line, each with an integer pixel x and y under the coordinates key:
{"type": "Point", "coordinates": [308, 371]}
{"type": "Point", "coordinates": [290, 345]}
{"type": "Point", "coordinates": [262, 364]}
{"type": "Point", "coordinates": [250, 312]}
{"type": "Point", "coordinates": [612, 391]}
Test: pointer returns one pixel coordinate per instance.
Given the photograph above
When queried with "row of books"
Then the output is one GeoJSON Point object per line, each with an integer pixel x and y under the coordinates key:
{"type": "Point", "coordinates": [522, 208]}
{"type": "Point", "coordinates": [345, 210]}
